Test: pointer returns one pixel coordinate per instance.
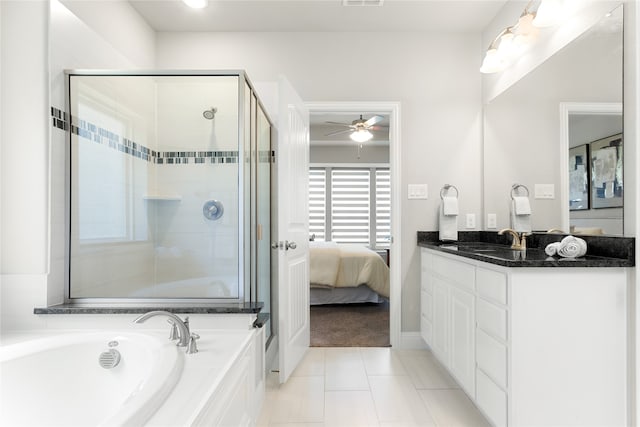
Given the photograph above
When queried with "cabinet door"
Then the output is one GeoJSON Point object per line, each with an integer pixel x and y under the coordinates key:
{"type": "Point", "coordinates": [462, 344]}
{"type": "Point", "coordinates": [440, 322]}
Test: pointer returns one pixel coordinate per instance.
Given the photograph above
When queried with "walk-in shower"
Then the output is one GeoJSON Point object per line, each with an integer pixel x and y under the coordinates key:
{"type": "Point", "coordinates": [168, 188]}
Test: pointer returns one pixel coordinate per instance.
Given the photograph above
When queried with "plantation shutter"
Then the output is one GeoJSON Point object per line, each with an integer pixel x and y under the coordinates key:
{"type": "Point", "coordinates": [383, 207]}
{"type": "Point", "coordinates": [317, 202]}
{"type": "Point", "coordinates": [350, 204]}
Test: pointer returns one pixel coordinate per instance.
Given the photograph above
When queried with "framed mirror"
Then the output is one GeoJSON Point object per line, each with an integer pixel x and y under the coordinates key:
{"type": "Point", "coordinates": [528, 126]}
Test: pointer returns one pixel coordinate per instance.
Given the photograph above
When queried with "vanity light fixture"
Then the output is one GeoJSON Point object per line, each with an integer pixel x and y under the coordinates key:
{"type": "Point", "coordinates": [548, 14]}
{"type": "Point", "coordinates": [196, 4]}
{"type": "Point", "coordinates": [512, 41]}
{"type": "Point", "coordinates": [361, 135]}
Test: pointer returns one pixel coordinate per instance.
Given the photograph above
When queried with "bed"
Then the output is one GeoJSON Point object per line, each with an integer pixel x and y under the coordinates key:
{"type": "Point", "coordinates": [342, 274]}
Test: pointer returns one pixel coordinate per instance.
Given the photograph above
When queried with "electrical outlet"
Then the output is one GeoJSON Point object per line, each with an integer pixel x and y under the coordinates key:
{"type": "Point", "coordinates": [492, 220]}
{"type": "Point", "coordinates": [471, 220]}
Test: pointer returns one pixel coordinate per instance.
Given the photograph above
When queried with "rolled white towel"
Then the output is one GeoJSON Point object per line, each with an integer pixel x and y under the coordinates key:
{"type": "Point", "coordinates": [572, 247]}
{"type": "Point", "coordinates": [552, 248]}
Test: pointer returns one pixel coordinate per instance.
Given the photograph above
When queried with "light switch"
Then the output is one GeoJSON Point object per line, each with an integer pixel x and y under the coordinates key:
{"type": "Point", "coordinates": [545, 191]}
{"type": "Point", "coordinates": [471, 220]}
{"type": "Point", "coordinates": [418, 191]}
{"type": "Point", "coordinates": [492, 221]}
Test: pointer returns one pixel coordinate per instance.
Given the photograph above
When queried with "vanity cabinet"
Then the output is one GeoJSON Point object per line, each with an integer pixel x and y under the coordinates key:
{"type": "Point", "coordinates": [530, 346]}
{"type": "Point", "coordinates": [448, 317]}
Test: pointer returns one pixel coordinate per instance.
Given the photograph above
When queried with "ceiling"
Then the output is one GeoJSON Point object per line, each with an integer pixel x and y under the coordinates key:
{"type": "Point", "coordinates": [319, 15]}
{"type": "Point", "coordinates": [322, 16]}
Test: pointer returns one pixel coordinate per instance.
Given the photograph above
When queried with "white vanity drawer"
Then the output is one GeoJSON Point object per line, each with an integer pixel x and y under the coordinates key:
{"type": "Point", "coordinates": [491, 399]}
{"type": "Point", "coordinates": [491, 318]}
{"type": "Point", "coordinates": [459, 273]}
{"type": "Point", "coordinates": [426, 305]}
{"type": "Point", "coordinates": [491, 357]}
{"type": "Point", "coordinates": [492, 285]}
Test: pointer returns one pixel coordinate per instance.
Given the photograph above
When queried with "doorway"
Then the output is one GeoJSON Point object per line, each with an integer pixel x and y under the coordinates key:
{"type": "Point", "coordinates": [363, 160]}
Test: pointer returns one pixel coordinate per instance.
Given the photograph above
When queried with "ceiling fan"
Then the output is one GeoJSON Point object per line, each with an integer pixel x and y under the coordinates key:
{"type": "Point", "coordinates": [360, 128]}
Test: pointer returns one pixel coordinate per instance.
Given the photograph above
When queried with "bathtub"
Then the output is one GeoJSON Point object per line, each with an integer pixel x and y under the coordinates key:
{"type": "Point", "coordinates": [58, 381]}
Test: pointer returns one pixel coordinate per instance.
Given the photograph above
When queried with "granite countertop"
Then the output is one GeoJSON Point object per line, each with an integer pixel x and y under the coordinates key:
{"type": "Point", "coordinates": [490, 247]}
{"type": "Point", "coordinates": [240, 308]}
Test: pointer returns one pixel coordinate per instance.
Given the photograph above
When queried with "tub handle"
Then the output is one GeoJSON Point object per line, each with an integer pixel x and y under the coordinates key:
{"type": "Point", "coordinates": [192, 347]}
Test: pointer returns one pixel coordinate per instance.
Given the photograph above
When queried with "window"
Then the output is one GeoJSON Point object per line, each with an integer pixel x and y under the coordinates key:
{"type": "Point", "coordinates": [350, 205]}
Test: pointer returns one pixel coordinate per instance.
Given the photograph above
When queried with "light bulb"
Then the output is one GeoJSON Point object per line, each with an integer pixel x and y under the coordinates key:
{"type": "Point", "coordinates": [507, 48]}
{"type": "Point", "coordinates": [361, 135]}
{"type": "Point", "coordinates": [493, 62]}
{"type": "Point", "coordinates": [548, 14]}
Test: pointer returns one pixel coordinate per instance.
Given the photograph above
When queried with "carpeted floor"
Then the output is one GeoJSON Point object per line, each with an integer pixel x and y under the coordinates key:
{"type": "Point", "coordinates": [350, 325]}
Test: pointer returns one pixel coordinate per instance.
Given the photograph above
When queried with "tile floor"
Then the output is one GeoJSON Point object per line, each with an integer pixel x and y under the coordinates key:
{"type": "Point", "coordinates": [368, 387]}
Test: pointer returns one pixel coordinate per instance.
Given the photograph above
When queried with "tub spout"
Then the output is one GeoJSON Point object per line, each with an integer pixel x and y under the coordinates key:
{"type": "Point", "coordinates": [183, 329]}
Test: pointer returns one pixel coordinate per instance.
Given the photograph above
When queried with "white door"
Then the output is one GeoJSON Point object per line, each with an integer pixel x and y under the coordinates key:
{"type": "Point", "coordinates": [293, 229]}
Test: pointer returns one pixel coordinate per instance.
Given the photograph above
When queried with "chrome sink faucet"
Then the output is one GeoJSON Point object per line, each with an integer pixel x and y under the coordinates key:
{"type": "Point", "coordinates": [185, 337]}
{"type": "Point", "coordinates": [519, 241]}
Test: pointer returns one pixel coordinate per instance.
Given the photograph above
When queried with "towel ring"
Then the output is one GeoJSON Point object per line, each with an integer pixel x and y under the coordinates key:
{"type": "Point", "coordinates": [447, 187]}
{"type": "Point", "coordinates": [515, 187]}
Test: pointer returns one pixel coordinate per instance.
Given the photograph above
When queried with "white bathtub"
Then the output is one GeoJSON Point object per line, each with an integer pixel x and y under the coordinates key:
{"type": "Point", "coordinates": [58, 380]}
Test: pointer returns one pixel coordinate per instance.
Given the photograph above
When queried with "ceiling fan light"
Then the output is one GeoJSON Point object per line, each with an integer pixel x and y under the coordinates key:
{"type": "Point", "coordinates": [196, 4]}
{"type": "Point", "coordinates": [361, 135]}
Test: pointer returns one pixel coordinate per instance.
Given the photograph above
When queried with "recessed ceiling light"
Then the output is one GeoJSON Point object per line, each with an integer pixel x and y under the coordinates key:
{"type": "Point", "coordinates": [196, 4]}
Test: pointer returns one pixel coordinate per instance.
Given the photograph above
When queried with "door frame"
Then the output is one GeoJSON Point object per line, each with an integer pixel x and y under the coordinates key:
{"type": "Point", "coordinates": [393, 110]}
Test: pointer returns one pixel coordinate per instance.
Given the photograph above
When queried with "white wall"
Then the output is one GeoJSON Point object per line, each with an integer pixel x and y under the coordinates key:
{"type": "Point", "coordinates": [40, 39]}
{"type": "Point", "coordinates": [329, 154]}
{"type": "Point", "coordinates": [434, 76]}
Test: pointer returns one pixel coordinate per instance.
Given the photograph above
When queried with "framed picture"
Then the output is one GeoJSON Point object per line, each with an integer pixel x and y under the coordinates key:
{"type": "Point", "coordinates": [579, 178]}
{"type": "Point", "coordinates": [606, 172]}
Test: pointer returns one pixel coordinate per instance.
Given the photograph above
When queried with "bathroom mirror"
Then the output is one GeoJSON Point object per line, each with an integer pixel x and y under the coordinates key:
{"type": "Point", "coordinates": [573, 98]}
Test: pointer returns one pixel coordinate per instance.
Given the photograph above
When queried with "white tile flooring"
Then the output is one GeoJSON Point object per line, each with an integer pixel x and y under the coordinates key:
{"type": "Point", "coordinates": [368, 387]}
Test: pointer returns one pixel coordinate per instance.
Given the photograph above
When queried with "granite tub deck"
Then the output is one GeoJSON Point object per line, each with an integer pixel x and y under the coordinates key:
{"type": "Point", "coordinates": [241, 308]}
{"type": "Point", "coordinates": [490, 247]}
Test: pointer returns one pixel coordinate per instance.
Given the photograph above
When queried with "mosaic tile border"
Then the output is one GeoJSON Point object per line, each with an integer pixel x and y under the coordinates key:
{"type": "Point", "coordinates": [91, 132]}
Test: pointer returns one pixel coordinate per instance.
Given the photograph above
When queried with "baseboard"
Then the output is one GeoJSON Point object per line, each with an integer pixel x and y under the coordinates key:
{"type": "Point", "coordinates": [412, 340]}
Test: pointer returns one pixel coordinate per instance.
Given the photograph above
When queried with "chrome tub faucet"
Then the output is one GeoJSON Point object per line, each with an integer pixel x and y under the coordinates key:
{"type": "Point", "coordinates": [184, 335]}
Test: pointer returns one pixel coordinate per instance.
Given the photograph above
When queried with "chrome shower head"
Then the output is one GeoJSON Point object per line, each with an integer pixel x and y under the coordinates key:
{"type": "Point", "coordinates": [210, 114]}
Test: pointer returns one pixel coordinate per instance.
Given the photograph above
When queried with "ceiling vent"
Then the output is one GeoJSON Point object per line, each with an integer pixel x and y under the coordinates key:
{"type": "Point", "coordinates": [362, 2]}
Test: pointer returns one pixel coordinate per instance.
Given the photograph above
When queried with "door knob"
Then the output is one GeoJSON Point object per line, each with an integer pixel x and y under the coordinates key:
{"type": "Point", "coordinates": [290, 245]}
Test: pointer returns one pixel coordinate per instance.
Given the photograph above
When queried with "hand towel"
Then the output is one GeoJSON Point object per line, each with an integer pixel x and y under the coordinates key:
{"type": "Point", "coordinates": [521, 205]}
{"type": "Point", "coordinates": [520, 223]}
{"type": "Point", "coordinates": [447, 225]}
{"type": "Point", "coordinates": [572, 247]}
{"type": "Point", "coordinates": [450, 205]}
{"type": "Point", "coordinates": [552, 248]}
